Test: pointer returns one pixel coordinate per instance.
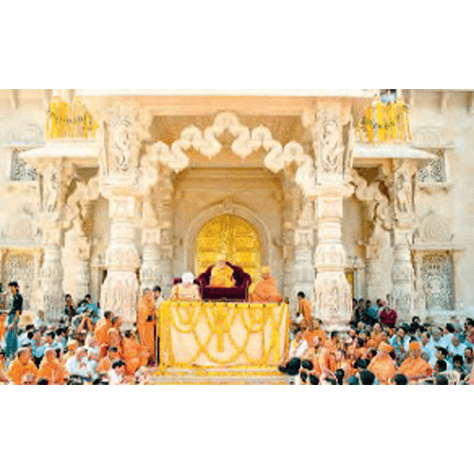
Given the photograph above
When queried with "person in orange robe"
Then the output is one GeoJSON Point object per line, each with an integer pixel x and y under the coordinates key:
{"type": "Point", "coordinates": [382, 365]}
{"type": "Point", "coordinates": [105, 364]}
{"type": "Point", "coordinates": [3, 359]}
{"type": "Point", "coordinates": [376, 336]}
{"type": "Point", "coordinates": [415, 367]}
{"type": "Point", "coordinates": [102, 332]}
{"type": "Point", "coordinates": [134, 355]}
{"type": "Point", "coordinates": [314, 355]}
{"type": "Point", "coordinates": [319, 331]}
{"type": "Point", "coordinates": [304, 307]}
{"type": "Point", "coordinates": [329, 362]}
{"type": "Point", "coordinates": [115, 339]}
{"type": "Point", "coordinates": [51, 369]}
{"type": "Point", "coordinates": [146, 322]}
{"type": "Point", "coordinates": [266, 290]}
{"type": "Point", "coordinates": [3, 320]}
{"type": "Point", "coordinates": [21, 366]}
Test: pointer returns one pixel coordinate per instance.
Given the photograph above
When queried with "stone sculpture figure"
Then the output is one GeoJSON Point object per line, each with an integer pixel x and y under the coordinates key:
{"type": "Point", "coordinates": [50, 189]}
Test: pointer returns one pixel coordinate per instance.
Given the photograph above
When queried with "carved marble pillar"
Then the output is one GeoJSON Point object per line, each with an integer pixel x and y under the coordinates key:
{"type": "Point", "coordinates": [359, 277]}
{"type": "Point", "coordinates": [51, 274]}
{"type": "Point", "coordinates": [419, 302]}
{"type": "Point", "coordinates": [288, 241]}
{"type": "Point", "coordinates": [37, 262]}
{"type": "Point", "coordinates": [166, 246]}
{"type": "Point", "coordinates": [83, 273]}
{"type": "Point", "coordinates": [150, 269]}
{"type": "Point", "coordinates": [378, 264]}
{"type": "Point", "coordinates": [120, 289]}
{"type": "Point", "coordinates": [458, 282]}
{"type": "Point", "coordinates": [332, 133]}
{"type": "Point", "coordinates": [333, 292]}
{"type": "Point", "coordinates": [124, 179]}
{"type": "Point", "coordinates": [2, 251]}
{"type": "Point", "coordinates": [402, 274]}
{"type": "Point", "coordinates": [303, 251]}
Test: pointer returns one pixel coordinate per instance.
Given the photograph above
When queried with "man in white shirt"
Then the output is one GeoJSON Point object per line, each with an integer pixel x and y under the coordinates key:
{"type": "Point", "coordinates": [92, 361]}
{"type": "Point", "coordinates": [437, 339]}
{"type": "Point", "coordinates": [117, 372]}
{"type": "Point", "coordinates": [456, 347]}
{"type": "Point", "coordinates": [77, 365]}
{"type": "Point", "coordinates": [427, 345]}
{"type": "Point", "coordinates": [291, 364]}
{"type": "Point", "coordinates": [448, 333]}
{"type": "Point", "coordinates": [442, 354]}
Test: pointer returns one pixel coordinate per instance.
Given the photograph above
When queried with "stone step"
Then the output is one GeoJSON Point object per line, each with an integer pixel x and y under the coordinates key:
{"type": "Point", "coordinates": [218, 376]}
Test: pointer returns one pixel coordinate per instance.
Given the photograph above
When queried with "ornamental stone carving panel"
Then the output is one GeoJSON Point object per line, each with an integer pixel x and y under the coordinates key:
{"type": "Point", "coordinates": [50, 189]}
{"type": "Point", "coordinates": [331, 147]}
{"type": "Point", "coordinates": [119, 293]}
{"type": "Point", "coordinates": [122, 207]}
{"type": "Point", "coordinates": [330, 231]}
{"type": "Point", "coordinates": [434, 229]}
{"type": "Point", "coordinates": [433, 172]}
{"type": "Point", "coordinates": [403, 190]}
{"type": "Point", "coordinates": [126, 129]}
{"type": "Point", "coordinates": [21, 171]}
{"type": "Point", "coordinates": [21, 268]}
{"type": "Point", "coordinates": [330, 208]}
{"type": "Point", "coordinates": [437, 280]}
{"type": "Point", "coordinates": [122, 255]}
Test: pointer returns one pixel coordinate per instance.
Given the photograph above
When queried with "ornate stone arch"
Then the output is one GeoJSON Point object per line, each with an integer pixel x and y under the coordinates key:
{"type": "Point", "coordinates": [245, 142]}
{"type": "Point", "coordinates": [226, 207]}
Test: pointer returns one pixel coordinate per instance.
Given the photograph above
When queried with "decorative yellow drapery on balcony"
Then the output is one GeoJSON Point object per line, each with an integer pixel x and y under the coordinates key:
{"type": "Point", "coordinates": [69, 120]}
{"type": "Point", "coordinates": [385, 123]}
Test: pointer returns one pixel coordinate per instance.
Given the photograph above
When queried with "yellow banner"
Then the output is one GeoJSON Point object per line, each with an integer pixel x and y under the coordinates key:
{"type": "Point", "coordinates": [385, 123]}
{"type": "Point", "coordinates": [206, 334]}
{"type": "Point", "coordinates": [69, 120]}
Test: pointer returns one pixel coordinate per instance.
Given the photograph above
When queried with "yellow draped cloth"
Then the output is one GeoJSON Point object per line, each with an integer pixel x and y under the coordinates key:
{"type": "Point", "coordinates": [207, 334]}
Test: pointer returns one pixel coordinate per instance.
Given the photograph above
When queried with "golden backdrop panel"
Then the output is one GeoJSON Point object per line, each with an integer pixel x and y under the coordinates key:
{"type": "Point", "coordinates": [232, 236]}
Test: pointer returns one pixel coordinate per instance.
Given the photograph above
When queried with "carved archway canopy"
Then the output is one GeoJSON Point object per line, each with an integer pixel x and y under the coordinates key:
{"type": "Point", "coordinates": [246, 141]}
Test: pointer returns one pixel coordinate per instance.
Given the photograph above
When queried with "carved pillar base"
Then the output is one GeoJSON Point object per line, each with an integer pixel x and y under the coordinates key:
{"type": "Point", "coordinates": [333, 299]}
{"type": "Point", "coordinates": [119, 293]}
{"type": "Point", "coordinates": [120, 289]}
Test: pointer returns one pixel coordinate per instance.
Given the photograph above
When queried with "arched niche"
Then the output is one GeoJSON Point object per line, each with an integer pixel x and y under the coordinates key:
{"type": "Point", "coordinates": [210, 213]}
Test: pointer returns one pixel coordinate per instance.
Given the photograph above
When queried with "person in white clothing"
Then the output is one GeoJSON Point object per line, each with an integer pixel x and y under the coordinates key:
{"type": "Point", "coordinates": [456, 347]}
{"type": "Point", "coordinates": [117, 373]}
{"type": "Point", "coordinates": [291, 365]}
{"type": "Point", "coordinates": [77, 365]}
